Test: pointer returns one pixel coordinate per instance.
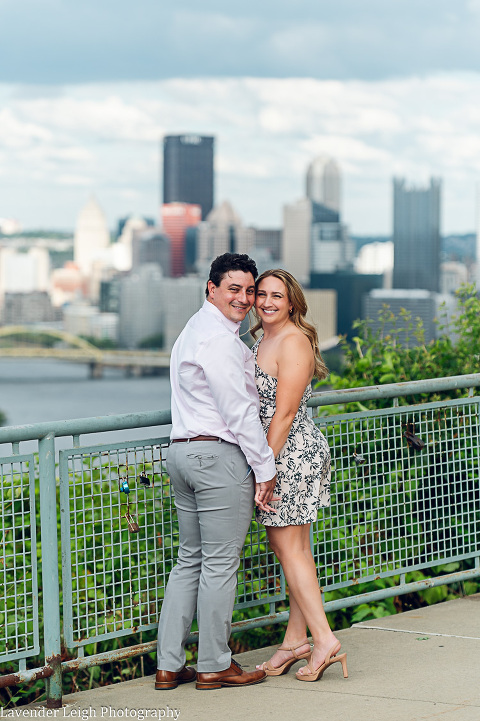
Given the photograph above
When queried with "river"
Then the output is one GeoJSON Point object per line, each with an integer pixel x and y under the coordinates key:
{"type": "Point", "coordinates": [34, 390]}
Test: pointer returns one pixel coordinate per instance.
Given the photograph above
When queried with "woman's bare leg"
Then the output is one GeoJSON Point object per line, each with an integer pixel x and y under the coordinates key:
{"type": "Point", "coordinates": [291, 545]}
{"type": "Point", "coordinates": [295, 633]}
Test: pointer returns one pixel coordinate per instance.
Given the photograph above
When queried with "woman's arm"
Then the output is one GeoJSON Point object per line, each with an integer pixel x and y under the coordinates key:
{"type": "Point", "coordinates": [295, 368]}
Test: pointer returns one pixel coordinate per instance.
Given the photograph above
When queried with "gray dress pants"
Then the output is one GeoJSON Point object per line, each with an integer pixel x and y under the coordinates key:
{"type": "Point", "coordinates": [214, 498]}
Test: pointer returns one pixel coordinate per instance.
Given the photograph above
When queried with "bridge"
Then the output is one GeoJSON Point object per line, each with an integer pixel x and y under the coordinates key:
{"type": "Point", "coordinates": [32, 342]}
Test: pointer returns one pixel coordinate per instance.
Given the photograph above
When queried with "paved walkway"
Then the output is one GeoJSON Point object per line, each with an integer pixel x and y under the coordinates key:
{"type": "Point", "coordinates": [423, 664]}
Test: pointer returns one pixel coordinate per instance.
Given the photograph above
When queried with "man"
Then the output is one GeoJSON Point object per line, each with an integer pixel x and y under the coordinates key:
{"type": "Point", "coordinates": [217, 441]}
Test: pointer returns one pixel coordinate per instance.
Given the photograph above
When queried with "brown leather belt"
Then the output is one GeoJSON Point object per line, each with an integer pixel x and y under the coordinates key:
{"type": "Point", "coordinates": [195, 438]}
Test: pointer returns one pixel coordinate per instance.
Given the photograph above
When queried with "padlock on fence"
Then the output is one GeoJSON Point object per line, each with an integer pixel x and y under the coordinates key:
{"type": "Point", "coordinates": [132, 524]}
{"type": "Point", "coordinates": [130, 518]}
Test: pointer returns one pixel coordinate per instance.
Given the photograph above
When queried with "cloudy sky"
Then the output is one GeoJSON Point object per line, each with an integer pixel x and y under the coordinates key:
{"type": "Point", "coordinates": [387, 87]}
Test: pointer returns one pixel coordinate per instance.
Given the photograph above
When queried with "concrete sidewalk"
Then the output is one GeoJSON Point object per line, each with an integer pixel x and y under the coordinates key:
{"type": "Point", "coordinates": [423, 664]}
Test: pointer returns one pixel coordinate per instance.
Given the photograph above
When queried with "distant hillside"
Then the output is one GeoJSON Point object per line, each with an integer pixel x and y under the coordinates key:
{"type": "Point", "coordinates": [459, 247]}
{"type": "Point", "coordinates": [33, 234]}
{"type": "Point", "coordinates": [360, 240]}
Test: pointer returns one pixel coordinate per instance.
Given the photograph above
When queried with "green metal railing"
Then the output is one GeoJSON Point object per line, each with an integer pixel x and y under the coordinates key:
{"type": "Point", "coordinates": [405, 496]}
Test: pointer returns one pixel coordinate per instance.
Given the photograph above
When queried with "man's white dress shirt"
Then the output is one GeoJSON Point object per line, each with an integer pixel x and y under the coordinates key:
{"type": "Point", "coordinates": [212, 375]}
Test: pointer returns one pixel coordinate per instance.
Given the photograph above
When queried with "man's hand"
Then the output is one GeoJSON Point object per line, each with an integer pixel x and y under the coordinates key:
{"type": "Point", "coordinates": [264, 494]}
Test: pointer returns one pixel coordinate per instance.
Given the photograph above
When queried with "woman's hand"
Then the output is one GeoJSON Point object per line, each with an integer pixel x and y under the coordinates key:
{"type": "Point", "coordinates": [264, 494]}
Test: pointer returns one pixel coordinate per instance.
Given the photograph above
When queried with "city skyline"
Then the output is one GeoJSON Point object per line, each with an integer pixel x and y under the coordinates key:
{"type": "Point", "coordinates": [84, 112]}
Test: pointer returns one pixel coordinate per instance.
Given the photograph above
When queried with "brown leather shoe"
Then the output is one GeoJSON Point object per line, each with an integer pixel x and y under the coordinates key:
{"type": "Point", "coordinates": [170, 679]}
{"type": "Point", "coordinates": [233, 676]}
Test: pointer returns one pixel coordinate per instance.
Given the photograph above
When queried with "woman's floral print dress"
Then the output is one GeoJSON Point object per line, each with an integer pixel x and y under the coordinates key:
{"type": "Point", "coordinates": [303, 464]}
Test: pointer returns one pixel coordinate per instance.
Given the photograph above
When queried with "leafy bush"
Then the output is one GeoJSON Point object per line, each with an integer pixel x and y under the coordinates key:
{"type": "Point", "coordinates": [152, 342]}
{"type": "Point", "coordinates": [397, 352]}
{"type": "Point", "coordinates": [103, 343]}
{"type": "Point", "coordinates": [113, 586]}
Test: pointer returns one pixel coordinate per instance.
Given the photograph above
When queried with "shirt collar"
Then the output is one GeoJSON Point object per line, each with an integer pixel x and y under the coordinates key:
{"type": "Point", "coordinates": [232, 326]}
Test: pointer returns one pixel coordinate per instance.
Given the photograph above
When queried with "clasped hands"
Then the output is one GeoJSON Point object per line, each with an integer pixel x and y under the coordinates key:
{"type": "Point", "coordinates": [264, 494]}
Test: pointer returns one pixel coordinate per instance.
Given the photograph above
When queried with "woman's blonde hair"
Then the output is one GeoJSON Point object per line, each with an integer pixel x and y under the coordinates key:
{"type": "Point", "coordinates": [299, 310]}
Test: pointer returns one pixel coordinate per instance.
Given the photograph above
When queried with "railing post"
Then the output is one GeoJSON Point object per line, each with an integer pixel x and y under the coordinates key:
{"type": "Point", "coordinates": [50, 583]}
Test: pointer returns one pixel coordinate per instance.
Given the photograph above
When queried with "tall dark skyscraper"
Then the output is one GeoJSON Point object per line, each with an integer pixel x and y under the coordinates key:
{"type": "Point", "coordinates": [188, 170]}
{"type": "Point", "coordinates": [416, 235]}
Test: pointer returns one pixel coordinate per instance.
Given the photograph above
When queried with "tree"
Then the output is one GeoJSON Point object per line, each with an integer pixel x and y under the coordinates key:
{"type": "Point", "coordinates": [152, 342]}
{"type": "Point", "coordinates": [380, 357]}
{"type": "Point", "coordinates": [103, 343]}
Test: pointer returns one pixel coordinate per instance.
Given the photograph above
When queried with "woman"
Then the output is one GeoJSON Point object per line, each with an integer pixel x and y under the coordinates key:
{"type": "Point", "coordinates": [287, 357]}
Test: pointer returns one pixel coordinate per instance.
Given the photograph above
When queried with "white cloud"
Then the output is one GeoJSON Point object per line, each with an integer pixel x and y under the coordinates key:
{"type": "Point", "coordinates": [210, 25]}
{"type": "Point", "coordinates": [90, 41]}
{"type": "Point", "coordinates": [474, 6]}
{"type": "Point", "coordinates": [267, 131]}
{"type": "Point", "coordinates": [236, 166]}
{"type": "Point", "coordinates": [111, 118]}
{"type": "Point", "coordinates": [49, 153]}
{"type": "Point", "coordinates": [16, 132]}
{"type": "Point", "coordinates": [294, 44]}
{"type": "Point", "coordinates": [80, 181]}
{"type": "Point", "coordinates": [347, 150]}
{"type": "Point", "coordinates": [129, 194]}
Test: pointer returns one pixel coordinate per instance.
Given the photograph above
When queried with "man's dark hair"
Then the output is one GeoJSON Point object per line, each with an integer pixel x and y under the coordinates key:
{"type": "Point", "coordinates": [230, 261]}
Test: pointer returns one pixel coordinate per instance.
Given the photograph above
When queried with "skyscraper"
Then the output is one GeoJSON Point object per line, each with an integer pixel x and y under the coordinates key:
{"type": "Point", "coordinates": [416, 235]}
{"type": "Point", "coordinates": [314, 240]}
{"type": "Point", "coordinates": [324, 182]}
{"type": "Point", "coordinates": [188, 170]}
{"type": "Point", "coordinates": [222, 232]}
{"type": "Point", "coordinates": [141, 305]}
{"type": "Point", "coordinates": [297, 239]}
{"type": "Point", "coordinates": [268, 240]}
{"type": "Point", "coordinates": [152, 246]}
{"type": "Point", "coordinates": [176, 219]}
{"type": "Point", "coordinates": [91, 235]}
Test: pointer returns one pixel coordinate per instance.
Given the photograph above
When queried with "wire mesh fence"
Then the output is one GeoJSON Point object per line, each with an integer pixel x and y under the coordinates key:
{"type": "Point", "coordinates": [119, 534]}
{"type": "Point", "coordinates": [405, 496]}
{"type": "Point", "coordinates": [405, 491]}
{"type": "Point", "coordinates": [18, 559]}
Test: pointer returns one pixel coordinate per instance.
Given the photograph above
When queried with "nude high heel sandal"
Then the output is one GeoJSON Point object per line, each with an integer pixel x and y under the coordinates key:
{"type": "Point", "coordinates": [329, 660]}
{"type": "Point", "coordinates": [285, 667]}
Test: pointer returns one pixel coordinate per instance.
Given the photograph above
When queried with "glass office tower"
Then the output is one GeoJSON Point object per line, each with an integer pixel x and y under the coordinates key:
{"type": "Point", "coordinates": [188, 170]}
{"type": "Point", "coordinates": [416, 235]}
